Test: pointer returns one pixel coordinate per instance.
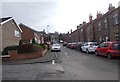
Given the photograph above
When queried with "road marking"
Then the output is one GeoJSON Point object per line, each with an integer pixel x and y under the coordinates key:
{"type": "Point", "coordinates": [66, 54]}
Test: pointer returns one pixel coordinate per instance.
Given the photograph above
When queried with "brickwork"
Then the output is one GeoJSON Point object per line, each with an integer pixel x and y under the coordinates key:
{"type": "Point", "coordinates": [8, 34]}
{"type": "Point", "coordinates": [15, 56]}
{"type": "Point", "coordinates": [27, 34]}
{"type": "Point", "coordinates": [105, 27]}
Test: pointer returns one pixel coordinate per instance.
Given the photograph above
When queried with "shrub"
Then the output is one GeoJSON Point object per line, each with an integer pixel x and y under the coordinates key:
{"type": "Point", "coordinates": [33, 41]}
{"type": "Point", "coordinates": [9, 48]}
{"type": "Point", "coordinates": [20, 42]}
{"type": "Point", "coordinates": [25, 48]}
{"type": "Point", "coordinates": [36, 47]}
{"type": "Point", "coordinates": [43, 46]}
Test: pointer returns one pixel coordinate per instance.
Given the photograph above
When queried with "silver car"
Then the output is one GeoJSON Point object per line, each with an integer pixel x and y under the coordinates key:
{"type": "Point", "coordinates": [89, 47]}
{"type": "Point", "coordinates": [56, 47]}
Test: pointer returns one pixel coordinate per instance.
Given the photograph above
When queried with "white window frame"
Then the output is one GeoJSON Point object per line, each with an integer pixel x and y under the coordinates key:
{"type": "Point", "coordinates": [16, 33]}
{"type": "Point", "coordinates": [115, 19]}
{"type": "Point", "coordinates": [105, 22]}
{"type": "Point", "coordinates": [99, 26]}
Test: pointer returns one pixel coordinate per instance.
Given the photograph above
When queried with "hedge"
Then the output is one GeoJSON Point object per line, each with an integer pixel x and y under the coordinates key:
{"type": "Point", "coordinates": [24, 48]}
{"type": "Point", "coordinates": [9, 48]}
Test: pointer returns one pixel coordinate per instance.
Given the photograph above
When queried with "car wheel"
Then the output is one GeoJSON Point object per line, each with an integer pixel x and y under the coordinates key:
{"type": "Point", "coordinates": [87, 51]}
{"type": "Point", "coordinates": [109, 56]}
{"type": "Point", "coordinates": [96, 53]}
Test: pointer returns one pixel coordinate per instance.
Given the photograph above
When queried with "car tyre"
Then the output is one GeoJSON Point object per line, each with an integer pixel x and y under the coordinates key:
{"type": "Point", "coordinates": [109, 56]}
{"type": "Point", "coordinates": [87, 51]}
{"type": "Point", "coordinates": [96, 53]}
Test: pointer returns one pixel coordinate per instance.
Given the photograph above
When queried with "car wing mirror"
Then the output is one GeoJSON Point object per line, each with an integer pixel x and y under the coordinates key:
{"type": "Point", "coordinates": [98, 46]}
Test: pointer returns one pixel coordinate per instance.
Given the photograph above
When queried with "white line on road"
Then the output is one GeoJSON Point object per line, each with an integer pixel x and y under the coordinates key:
{"type": "Point", "coordinates": [66, 54]}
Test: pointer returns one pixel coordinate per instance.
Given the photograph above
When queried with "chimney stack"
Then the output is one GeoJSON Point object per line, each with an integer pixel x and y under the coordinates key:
{"type": "Point", "coordinates": [111, 8]}
{"type": "Point", "coordinates": [119, 4]}
{"type": "Point", "coordinates": [71, 30]}
{"type": "Point", "coordinates": [68, 32]}
{"type": "Point", "coordinates": [84, 22]}
{"type": "Point", "coordinates": [77, 27]}
{"type": "Point", "coordinates": [90, 17]}
{"type": "Point", "coordinates": [99, 14]}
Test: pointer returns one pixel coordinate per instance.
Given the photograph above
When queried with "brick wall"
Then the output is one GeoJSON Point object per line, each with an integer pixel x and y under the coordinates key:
{"type": "Point", "coordinates": [27, 33]}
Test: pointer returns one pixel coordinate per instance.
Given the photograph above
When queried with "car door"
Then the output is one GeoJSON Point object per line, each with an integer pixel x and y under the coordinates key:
{"type": "Point", "coordinates": [100, 49]}
{"type": "Point", "coordinates": [106, 47]}
{"type": "Point", "coordinates": [84, 47]}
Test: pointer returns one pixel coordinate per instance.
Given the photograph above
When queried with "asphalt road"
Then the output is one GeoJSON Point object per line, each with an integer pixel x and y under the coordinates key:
{"type": "Point", "coordinates": [69, 65]}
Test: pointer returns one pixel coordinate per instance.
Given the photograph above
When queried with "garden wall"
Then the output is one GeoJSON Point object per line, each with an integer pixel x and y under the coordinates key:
{"type": "Point", "coordinates": [15, 56]}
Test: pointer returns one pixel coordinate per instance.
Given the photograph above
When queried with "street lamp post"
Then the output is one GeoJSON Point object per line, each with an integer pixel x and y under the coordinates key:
{"type": "Point", "coordinates": [48, 37]}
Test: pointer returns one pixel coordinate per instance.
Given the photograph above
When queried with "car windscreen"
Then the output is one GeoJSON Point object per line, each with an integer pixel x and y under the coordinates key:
{"type": "Point", "coordinates": [116, 46]}
{"type": "Point", "coordinates": [94, 44]}
{"type": "Point", "coordinates": [56, 45]}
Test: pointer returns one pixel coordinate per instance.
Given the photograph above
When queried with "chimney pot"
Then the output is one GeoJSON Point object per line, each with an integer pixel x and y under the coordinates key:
{"type": "Point", "coordinates": [90, 17]}
{"type": "Point", "coordinates": [111, 8]}
{"type": "Point", "coordinates": [84, 23]}
{"type": "Point", "coordinates": [99, 14]}
{"type": "Point", "coordinates": [71, 30]}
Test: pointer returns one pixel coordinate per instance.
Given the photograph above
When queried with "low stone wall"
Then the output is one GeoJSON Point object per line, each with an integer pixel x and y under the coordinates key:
{"type": "Point", "coordinates": [15, 56]}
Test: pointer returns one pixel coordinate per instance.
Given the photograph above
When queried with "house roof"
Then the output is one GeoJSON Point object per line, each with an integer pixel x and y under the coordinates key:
{"type": "Point", "coordinates": [38, 32]}
{"type": "Point", "coordinates": [21, 24]}
{"type": "Point", "coordinates": [6, 19]}
{"type": "Point", "coordinates": [3, 20]}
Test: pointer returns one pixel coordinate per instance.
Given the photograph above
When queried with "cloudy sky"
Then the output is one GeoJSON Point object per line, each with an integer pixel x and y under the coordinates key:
{"type": "Point", "coordinates": [60, 15]}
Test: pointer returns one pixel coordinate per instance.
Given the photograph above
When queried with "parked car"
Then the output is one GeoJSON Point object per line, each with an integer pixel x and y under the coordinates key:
{"type": "Point", "coordinates": [89, 47]}
{"type": "Point", "coordinates": [64, 43]}
{"type": "Point", "coordinates": [79, 45]}
{"type": "Point", "coordinates": [56, 47]}
{"type": "Point", "coordinates": [72, 45]}
{"type": "Point", "coordinates": [109, 49]}
{"type": "Point", "coordinates": [68, 45]}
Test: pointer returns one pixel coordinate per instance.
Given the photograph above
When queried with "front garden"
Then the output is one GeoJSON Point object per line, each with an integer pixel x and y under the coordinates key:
{"type": "Point", "coordinates": [24, 51]}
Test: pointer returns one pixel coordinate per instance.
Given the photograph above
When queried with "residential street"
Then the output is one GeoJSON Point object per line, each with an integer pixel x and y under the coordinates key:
{"type": "Point", "coordinates": [69, 65]}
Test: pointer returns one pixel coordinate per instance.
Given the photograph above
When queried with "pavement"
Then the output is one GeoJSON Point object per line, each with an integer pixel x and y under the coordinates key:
{"type": "Point", "coordinates": [48, 57]}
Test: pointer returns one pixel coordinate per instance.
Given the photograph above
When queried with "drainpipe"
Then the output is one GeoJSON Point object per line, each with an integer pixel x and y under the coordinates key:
{"type": "Point", "coordinates": [1, 38]}
{"type": "Point", "coordinates": [119, 21]}
{"type": "Point", "coordinates": [108, 29]}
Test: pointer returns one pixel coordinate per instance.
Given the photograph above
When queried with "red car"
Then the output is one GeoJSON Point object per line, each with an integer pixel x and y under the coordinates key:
{"type": "Point", "coordinates": [109, 49]}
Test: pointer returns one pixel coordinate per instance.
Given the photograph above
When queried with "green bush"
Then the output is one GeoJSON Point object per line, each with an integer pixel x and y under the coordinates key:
{"type": "Point", "coordinates": [25, 48]}
{"type": "Point", "coordinates": [9, 48]}
{"type": "Point", "coordinates": [43, 46]}
{"type": "Point", "coordinates": [36, 47]}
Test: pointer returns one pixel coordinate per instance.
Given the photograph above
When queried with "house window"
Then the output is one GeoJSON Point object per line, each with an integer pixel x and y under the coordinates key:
{"type": "Point", "coordinates": [81, 30]}
{"type": "Point", "coordinates": [117, 36]}
{"type": "Point", "coordinates": [17, 34]}
{"type": "Point", "coordinates": [99, 26]}
{"type": "Point", "coordinates": [100, 39]}
{"type": "Point", "coordinates": [115, 19]}
{"type": "Point", "coordinates": [105, 23]}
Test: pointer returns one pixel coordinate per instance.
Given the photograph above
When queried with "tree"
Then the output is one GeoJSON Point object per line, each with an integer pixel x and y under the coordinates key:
{"type": "Point", "coordinates": [20, 42]}
{"type": "Point", "coordinates": [33, 41]}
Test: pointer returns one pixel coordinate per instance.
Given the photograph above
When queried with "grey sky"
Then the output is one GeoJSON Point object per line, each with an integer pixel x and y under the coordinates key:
{"type": "Point", "coordinates": [60, 15]}
{"type": "Point", "coordinates": [33, 14]}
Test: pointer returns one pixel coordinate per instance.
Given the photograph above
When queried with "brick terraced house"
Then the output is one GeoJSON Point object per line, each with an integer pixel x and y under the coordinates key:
{"type": "Point", "coordinates": [105, 27]}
